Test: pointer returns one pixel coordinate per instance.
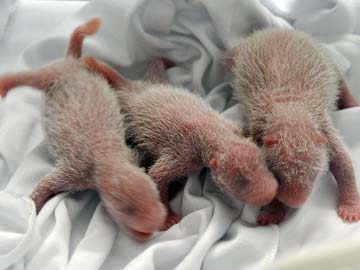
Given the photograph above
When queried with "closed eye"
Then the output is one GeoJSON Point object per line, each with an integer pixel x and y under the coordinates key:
{"type": "Point", "coordinates": [242, 182]}
{"type": "Point", "coordinates": [128, 209]}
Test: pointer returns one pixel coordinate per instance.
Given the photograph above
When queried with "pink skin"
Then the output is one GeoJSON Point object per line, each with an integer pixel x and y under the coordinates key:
{"type": "Point", "coordinates": [287, 99]}
{"type": "Point", "coordinates": [140, 215]}
{"type": "Point", "coordinates": [247, 181]}
{"type": "Point", "coordinates": [294, 194]}
{"type": "Point", "coordinates": [86, 138]}
{"type": "Point", "coordinates": [290, 155]}
{"type": "Point", "coordinates": [184, 135]}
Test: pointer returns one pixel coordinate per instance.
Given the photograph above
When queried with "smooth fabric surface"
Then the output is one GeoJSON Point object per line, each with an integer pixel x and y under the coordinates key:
{"type": "Point", "coordinates": [74, 232]}
{"type": "Point", "coordinates": [7, 7]}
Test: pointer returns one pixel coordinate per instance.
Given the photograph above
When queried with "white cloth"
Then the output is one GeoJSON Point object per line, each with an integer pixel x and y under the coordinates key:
{"type": "Point", "coordinates": [18, 232]}
{"type": "Point", "coordinates": [215, 232]}
{"type": "Point", "coordinates": [7, 7]}
{"type": "Point", "coordinates": [28, 24]}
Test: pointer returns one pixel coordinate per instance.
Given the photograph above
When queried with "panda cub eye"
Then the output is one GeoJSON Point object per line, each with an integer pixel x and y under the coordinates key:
{"type": "Point", "coordinates": [128, 209]}
{"type": "Point", "coordinates": [242, 182]}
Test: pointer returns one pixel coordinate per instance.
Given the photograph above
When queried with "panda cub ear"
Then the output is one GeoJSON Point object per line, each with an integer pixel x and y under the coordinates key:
{"type": "Point", "coordinates": [320, 139]}
{"type": "Point", "coordinates": [213, 163]}
{"type": "Point", "coordinates": [269, 140]}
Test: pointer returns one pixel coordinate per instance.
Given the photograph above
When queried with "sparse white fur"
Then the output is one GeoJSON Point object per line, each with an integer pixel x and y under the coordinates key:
{"type": "Point", "coordinates": [287, 86]}
{"type": "Point", "coordinates": [85, 133]}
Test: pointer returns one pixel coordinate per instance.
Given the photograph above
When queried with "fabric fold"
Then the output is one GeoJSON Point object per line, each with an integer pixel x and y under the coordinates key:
{"type": "Point", "coordinates": [73, 231]}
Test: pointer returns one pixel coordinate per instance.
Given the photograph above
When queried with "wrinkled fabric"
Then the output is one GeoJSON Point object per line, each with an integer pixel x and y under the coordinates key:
{"type": "Point", "coordinates": [216, 232]}
{"type": "Point", "coordinates": [18, 228]}
{"type": "Point", "coordinates": [7, 7]}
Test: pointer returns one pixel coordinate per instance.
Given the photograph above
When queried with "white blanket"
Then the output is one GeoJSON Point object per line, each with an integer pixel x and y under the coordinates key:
{"type": "Point", "coordinates": [73, 231]}
{"type": "Point", "coordinates": [7, 8]}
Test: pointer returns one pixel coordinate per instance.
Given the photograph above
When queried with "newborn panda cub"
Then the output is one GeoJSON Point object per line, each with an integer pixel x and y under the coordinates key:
{"type": "Point", "coordinates": [183, 134]}
{"type": "Point", "coordinates": [287, 88]}
{"type": "Point", "coordinates": [85, 133]}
